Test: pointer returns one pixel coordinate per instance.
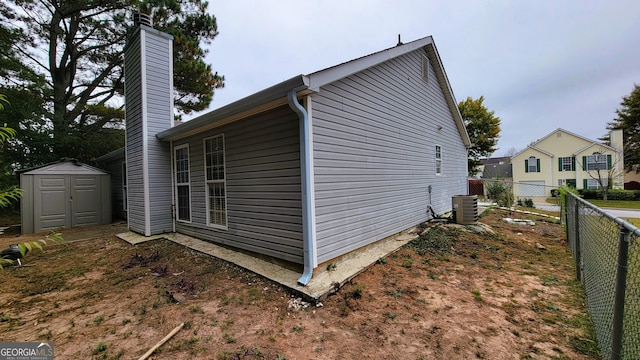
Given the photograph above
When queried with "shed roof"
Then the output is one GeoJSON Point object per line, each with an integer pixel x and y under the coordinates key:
{"type": "Point", "coordinates": [305, 84]}
{"type": "Point", "coordinates": [64, 167]}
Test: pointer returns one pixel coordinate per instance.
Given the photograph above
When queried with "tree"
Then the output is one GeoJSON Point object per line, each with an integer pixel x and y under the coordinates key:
{"type": "Point", "coordinates": [510, 152]}
{"type": "Point", "coordinates": [483, 128]}
{"type": "Point", "coordinates": [604, 168]}
{"type": "Point", "coordinates": [8, 193]}
{"type": "Point", "coordinates": [74, 51]}
{"type": "Point", "coordinates": [628, 120]}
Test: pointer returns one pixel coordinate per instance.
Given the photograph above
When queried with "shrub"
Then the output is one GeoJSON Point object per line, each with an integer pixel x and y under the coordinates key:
{"type": "Point", "coordinates": [528, 202]}
{"type": "Point", "coordinates": [501, 192]}
{"type": "Point", "coordinates": [613, 194]}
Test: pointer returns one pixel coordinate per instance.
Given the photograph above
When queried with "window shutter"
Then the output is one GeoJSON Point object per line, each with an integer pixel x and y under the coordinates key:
{"type": "Point", "coordinates": [537, 165]}
{"type": "Point", "coordinates": [526, 165]}
{"type": "Point", "coordinates": [584, 184]}
{"type": "Point", "coordinates": [608, 162]}
{"type": "Point", "coordinates": [559, 164]}
{"type": "Point", "coordinates": [573, 163]}
{"type": "Point", "coordinates": [584, 163]}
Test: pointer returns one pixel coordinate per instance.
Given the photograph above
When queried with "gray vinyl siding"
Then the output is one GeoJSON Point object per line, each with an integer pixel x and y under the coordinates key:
{"type": "Point", "coordinates": [160, 117]}
{"type": "Point", "coordinates": [262, 185]}
{"type": "Point", "coordinates": [133, 116]}
{"type": "Point", "coordinates": [114, 167]}
{"type": "Point", "coordinates": [374, 136]}
{"type": "Point", "coordinates": [159, 97]}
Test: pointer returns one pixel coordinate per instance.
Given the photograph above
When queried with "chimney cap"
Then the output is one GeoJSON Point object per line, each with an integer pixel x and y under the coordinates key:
{"type": "Point", "coordinates": [142, 19]}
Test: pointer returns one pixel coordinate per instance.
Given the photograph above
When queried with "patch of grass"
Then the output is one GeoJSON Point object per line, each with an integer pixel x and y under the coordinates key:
{"type": "Point", "coordinates": [390, 315]}
{"type": "Point", "coordinates": [549, 279]}
{"type": "Point", "coordinates": [229, 339]}
{"type": "Point", "coordinates": [620, 204]}
{"type": "Point", "coordinates": [297, 328]}
{"type": "Point", "coordinates": [396, 294]}
{"type": "Point", "coordinates": [101, 347]}
{"type": "Point", "coordinates": [98, 320]}
{"type": "Point", "coordinates": [196, 310]}
{"type": "Point", "coordinates": [476, 295]}
{"type": "Point", "coordinates": [436, 240]}
{"type": "Point", "coordinates": [407, 263]}
{"type": "Point", "coordinates": [356, 293]}
{"type": "Point", "coordinates": [382, 260]}
{"type": "Point", "coordinates": [633, 221]}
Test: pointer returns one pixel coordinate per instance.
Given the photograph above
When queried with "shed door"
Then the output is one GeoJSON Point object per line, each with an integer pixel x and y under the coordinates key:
{"type": "Point", "coordinates": [51, 202]}
{"type": "Point", "coordinates": [85, 201]}
{"type": "Point", "coordinates": [65, 201]}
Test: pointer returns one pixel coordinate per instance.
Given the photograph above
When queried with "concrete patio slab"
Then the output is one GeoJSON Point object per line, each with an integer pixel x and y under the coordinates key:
{"type": "Point", "coordinates": [327, 278]}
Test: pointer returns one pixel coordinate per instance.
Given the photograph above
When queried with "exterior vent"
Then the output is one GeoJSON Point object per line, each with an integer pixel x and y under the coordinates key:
{"type": "Point", "coordinates": [142, 19]}
{"type": "Point", "coordinates": [425, 68]}
{"type": "Point", "coordinates": [465, 209]}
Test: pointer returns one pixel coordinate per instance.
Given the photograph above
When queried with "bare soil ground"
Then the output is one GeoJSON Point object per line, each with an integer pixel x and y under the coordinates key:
{"type": "Point", "coordinates": [452, 294]}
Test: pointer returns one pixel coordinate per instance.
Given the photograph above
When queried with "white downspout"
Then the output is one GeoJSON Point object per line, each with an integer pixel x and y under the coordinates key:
{"type": "Point", "coordinates": [306, 158]}
{"type": "Point", "coordinates": [173, 189]}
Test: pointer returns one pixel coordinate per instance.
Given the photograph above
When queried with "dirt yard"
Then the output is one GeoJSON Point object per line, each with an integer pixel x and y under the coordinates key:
{"type": "Point", "coordinates": [452, 294]}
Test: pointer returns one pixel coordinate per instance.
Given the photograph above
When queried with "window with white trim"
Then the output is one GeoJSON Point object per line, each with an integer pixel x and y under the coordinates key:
{"type": "Point", "coordinates": [595, 184]}
{"type": "Point", "coordinates": [438, 160]}
{"type": "Point", "coordinates": [597, 161]}
{"type": "Point", "coordinates": [183, 187]}
{"type": "Point", "coordinates": [215, 182]}
{"type": "Point", "coordinates": [568, 163]}
{"type": "Point", "coordinates": [532, 164]}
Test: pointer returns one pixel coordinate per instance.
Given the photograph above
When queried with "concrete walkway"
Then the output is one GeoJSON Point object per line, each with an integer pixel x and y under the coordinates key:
{"type": "Point", "coordinates": [323, 282]}
{"type": "Point", "coordinates": [623, 213]}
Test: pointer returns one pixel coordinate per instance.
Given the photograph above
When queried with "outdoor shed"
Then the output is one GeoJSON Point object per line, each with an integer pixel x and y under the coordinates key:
{"type": "Point", "coordinates": [62, 195]}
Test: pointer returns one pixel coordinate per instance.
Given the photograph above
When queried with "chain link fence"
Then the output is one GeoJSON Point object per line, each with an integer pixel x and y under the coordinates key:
{"type": "Point", "coordinates": [532, 195]}
{"type": "Point", "coordinates": [607, 257]}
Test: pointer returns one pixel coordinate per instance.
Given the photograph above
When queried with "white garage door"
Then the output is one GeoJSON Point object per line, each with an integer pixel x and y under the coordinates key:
{"type": "Point", "coordinates": [532, 189]}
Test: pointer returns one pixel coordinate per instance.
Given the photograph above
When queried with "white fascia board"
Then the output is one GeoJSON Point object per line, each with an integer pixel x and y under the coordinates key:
{"type": "Point", "coordinates": [332, 74]}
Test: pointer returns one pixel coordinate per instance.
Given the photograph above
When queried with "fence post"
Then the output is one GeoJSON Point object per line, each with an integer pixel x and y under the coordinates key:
{"type": "Point", "coordinates": [576, 241]}
{"type": "Point", "coordinates": [621, 287]}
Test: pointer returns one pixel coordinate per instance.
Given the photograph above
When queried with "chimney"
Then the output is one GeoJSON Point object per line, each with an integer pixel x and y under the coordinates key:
{"type": "Point", "coordinates": [142, 19]}
{"type": "Point", "coordinates": [148, 65]}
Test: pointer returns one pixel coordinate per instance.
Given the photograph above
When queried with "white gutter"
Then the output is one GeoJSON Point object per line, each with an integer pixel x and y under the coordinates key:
{"type": "Point", "coordinates": [308, 198]}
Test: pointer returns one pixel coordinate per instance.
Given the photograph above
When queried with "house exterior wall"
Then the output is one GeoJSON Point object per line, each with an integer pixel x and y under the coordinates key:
{"type": "Point", "coordinates": [374, 136]}
{"type": "Point", "coordinates": [550, 149]}
{"type": "Point", "coordinates": [115, 168]}
{"type": "Point", "coordinates": [263, 189]}
{"type": "Point", "coordinates": [520, 174]}
{"type": "Point", "coordinates": [149, 110]}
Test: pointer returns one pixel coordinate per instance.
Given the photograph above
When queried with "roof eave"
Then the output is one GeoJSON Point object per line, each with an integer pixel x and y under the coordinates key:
{"type": "Point", "coordinates": [443, 80]}
{"type": "Point", "coordinates": [252, 104]}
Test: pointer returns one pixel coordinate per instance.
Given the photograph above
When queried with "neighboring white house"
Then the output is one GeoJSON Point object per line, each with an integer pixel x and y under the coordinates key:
{"type": "Point", "coordinates": [564, 158]}
{"type": "Point", "coordinates": [305, 171]}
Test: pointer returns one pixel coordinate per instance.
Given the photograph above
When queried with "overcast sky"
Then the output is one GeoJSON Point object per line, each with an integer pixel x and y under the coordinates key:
{"type": "Point", "coordinates": [539, 64]}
